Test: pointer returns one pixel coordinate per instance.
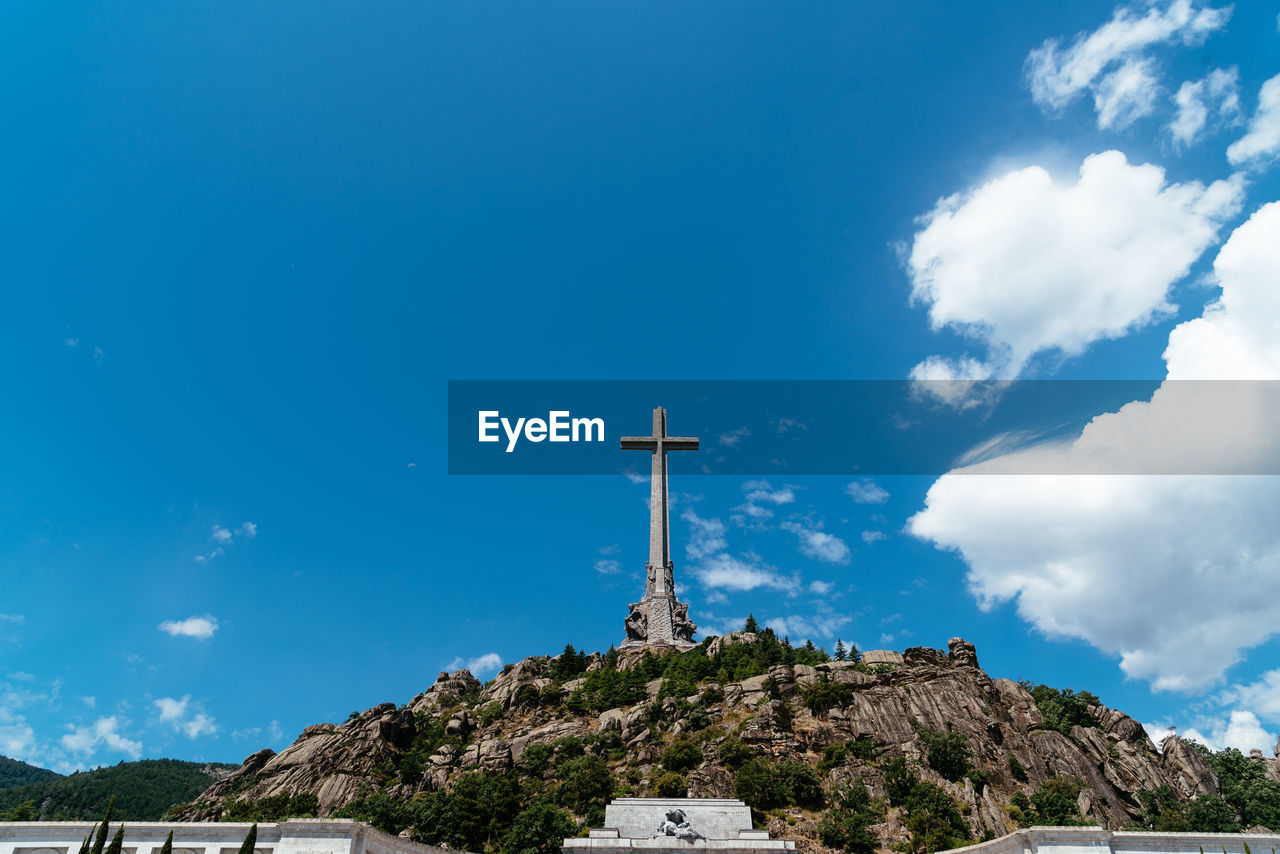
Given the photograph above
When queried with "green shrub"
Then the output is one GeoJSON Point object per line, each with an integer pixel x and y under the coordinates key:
{"type": "Point", "coordinates": [933, 819]}
{"type": "Point", "coordinates": [758, 785]}
{"type": "Point", "coordinates": [1017, 769]}
{"type": "Point", "coordinates": [1211, 814]}
{"type": "Point", "coordinates": [683, 754]}
{"type": "Point", "coordinates": [540, 828]}
{"type": "Point", "coordinates": [1055, 801]}
{"type": "Point", "coordinates": [1064, 709]}
{"type": "Point", "coordinates": [800, 783]}
{"type": "Point", "coordinates": [584, 782]}
{"type": "Point", "coordinates": [821, 696]}
{"type": "Point", "coordinates": [833, 755]}
{"type": "Point", "coordinates": [847, 830]}
{"type": "Point", "coordinates": [766, 786]}
{"type": "Point", "coordinates": [734, 753]}
{"type": "Point", "coordinates": [946, 752]}
{"type": "Point", "coordinates": [667, 784]}
{"type": "Point", "coordinates": [899, 779]}
{"type": "Point", "coordinates": [535, 759]}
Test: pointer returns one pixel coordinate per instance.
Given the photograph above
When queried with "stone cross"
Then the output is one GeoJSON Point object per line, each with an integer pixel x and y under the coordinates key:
{"type": "Point", "coordinates": [663, 616]}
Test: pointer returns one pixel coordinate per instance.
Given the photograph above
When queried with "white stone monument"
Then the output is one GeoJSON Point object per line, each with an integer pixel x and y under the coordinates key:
{"type": "Point", "coordinates": [662, 824]}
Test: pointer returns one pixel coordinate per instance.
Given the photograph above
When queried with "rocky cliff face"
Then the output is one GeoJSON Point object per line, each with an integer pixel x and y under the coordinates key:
{"type": "Point", "coordinates": [491, 726]}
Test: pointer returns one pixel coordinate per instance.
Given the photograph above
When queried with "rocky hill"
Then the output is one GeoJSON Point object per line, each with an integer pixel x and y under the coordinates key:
{"type": "Point", "coordinates": [919, 751]}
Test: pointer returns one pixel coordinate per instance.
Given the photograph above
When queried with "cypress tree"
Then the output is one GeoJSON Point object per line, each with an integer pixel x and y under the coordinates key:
{"type": "Point", "coordinates": [100, 841]}
{"type": "Point", "coordinates": [117, 841]}
{"type": "Point", "coordinates": [250, 840]}
{"type": "Point", "coordinates": [88, 842]}
{"type": "Point", "coordinates": [167, 848]}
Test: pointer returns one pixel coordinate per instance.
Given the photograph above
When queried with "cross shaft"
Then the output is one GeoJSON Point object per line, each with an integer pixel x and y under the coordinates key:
{"type": "Point", "coordinates": [658, 445]}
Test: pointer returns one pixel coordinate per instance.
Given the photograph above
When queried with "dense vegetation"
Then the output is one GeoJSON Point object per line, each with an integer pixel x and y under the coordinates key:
{"type": "Point", "coordinates": [143, 790]}
{"type": "Point", "coordinates": [1248, 799]}
{"type": "Point", "coordinates": [1063, 709]}
{"type": "Point", "coordinates": [14, 773]}
{"type": "Point", "coordinates": [932, 816]}
{"type": "Point", "coordinates": [528, 810]}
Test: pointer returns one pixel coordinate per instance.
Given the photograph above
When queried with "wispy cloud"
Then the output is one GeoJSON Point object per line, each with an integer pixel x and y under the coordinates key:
{"type": "Point", "coordinates": [706, 536]}
{"type": "Point", "coordinates": [607, 566]}
{"type": "Point", "coordinates": [867, 491]}
{"type": "Point", "coordinates": [818, 628]}
{"type": "Point", "coordinates": [174, 713]}
{"type": "Point", "coordinates": [224, 537]}
{"type": "Point", "coordinates": [726, 572]}
{"type": "Point", "coordinates": [758, 494]}
{"type": "Point", "coordinates": [1261, 143]}
{"type": "Point", "coordinates": [1113, 62]}
{"type": "Point", "coordinates": [817, 543]}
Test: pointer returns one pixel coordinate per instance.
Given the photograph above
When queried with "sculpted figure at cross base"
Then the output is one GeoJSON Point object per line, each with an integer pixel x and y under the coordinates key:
{"type": "Point", "coordinates": [677, 825]}
{"type": "Point", "coordinates": [681, 626]}
{"type": "Point", "coordinates": [637, 623]}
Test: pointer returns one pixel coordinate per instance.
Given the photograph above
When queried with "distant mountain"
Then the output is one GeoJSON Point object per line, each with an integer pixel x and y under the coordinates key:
{"type": "Point", "coordinates": [143, 790]}
{"type": "Point", "coordinates": [14, 773]}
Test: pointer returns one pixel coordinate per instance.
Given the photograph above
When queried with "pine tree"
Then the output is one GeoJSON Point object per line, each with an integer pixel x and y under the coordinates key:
{"type": "Point", "coordinates": [100, 841]}
{"type": "Point", "coordinates": [751, 625]}
{"type": "Point", "coordinates": [841, 652]}
{"type": "Point", "coordinates": [250, 840]}
{"type": "Point", "coordinates": [167, 848]}
{"type": "Point", "coordinates": [117, 841]}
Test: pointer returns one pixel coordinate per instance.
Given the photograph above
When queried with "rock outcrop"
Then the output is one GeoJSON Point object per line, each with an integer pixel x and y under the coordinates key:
{"type": "Point", "coordinates": [887, 705]}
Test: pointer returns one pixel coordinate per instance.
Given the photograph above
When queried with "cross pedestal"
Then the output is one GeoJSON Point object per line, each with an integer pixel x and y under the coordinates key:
{"type": "Point", "coordinates": [659, 617]}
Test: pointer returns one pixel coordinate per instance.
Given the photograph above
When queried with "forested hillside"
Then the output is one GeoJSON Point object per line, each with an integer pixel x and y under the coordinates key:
{"type": "Point", "coordinates": [14, 773]}
{"type": "Point", "coordinates": [143, 790]}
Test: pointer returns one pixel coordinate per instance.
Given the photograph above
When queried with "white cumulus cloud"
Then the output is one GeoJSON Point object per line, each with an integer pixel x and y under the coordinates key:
{"type": "Point", "coordinates": [1240, 729]}
{"type": "Point", "coordinates": [1176, 575]}
{"type": "Point", "coordinates": [200, 628]}
{"type": "Point", "coordinates": [1025, 264]}
{"type": "Point", "coordinates": [488, 663]}
{"type": "Point", "coordinates": [86, 740]}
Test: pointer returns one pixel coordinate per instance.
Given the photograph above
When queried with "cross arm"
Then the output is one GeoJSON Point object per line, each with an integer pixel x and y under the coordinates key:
{"type": "Point", "coordinates": [639, 443]}
{"type": "Point", "coordinates": [680, 443]}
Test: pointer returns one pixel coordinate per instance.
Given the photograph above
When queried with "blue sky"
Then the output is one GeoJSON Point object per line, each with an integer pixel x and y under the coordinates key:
{"type": "Point", "coordinates": [243, 247]}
